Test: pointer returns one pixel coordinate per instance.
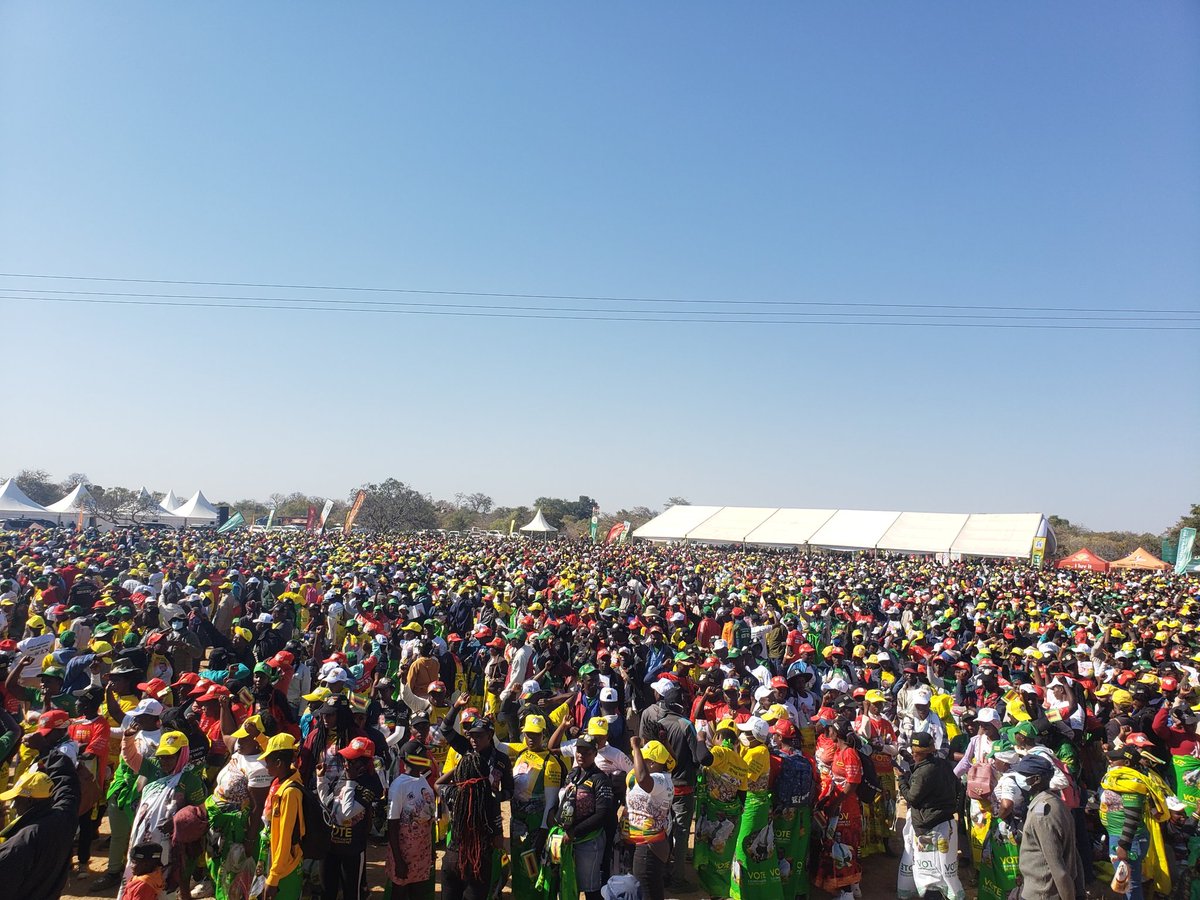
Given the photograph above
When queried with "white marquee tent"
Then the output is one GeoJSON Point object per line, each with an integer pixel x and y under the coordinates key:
{"type": "Point", "coordinates": [196, 510]}
{"type": "Point", "coordinates": [15, 505]}
{"type": "Point", "coordinates": [539, 526]}
{"type": "Point", "coordinates": [952, 534]}
{"type": "Point", "coordinates": [68, 508]}
{"type": "Point", "coordinates": [170, 502]}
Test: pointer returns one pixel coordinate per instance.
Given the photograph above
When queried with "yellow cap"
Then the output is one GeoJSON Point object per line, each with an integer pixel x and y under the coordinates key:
{"type": "Point", "coordinates": [256, 722]}
{"type": "Point", "coordinates": [35, 785]}
{"type": "Point", "coordinates": [319, 694]}
{"type": "Point", "coordinates": [1122, 698]}
{"type": "Point", "coordinates": [656, 751]}
{"type": "Point", "coordinates": [281, 741]}
{"type": "Point", "coordinates": [534, 725]}
{"type": "Point", "coordinates": [775, 712]}
{"type": "Point", "coordinates": [102, 648]}
{"type": "Point", "coordinates": [171, 743]}
{"type": "Point", "coordinates": [1106, 690]}
{"type": "Point", "coordinates": [875, 696]}
{"type": "Point", "coordinates": [598, 725]}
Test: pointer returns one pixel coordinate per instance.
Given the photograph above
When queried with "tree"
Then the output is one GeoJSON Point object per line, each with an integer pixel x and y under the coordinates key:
{"type": "Point", "coordinates": [73, 480]}
{"type": "Point", "coordinates": [122, 504]}
{"type": "Point", "coordinates": [393, 505]}
{"type": "Point", "coordinates": [677, 501]}
{"type": "Point", "coordinates": [1191, 520]}
{"type": "Point", "coordinates": [556, 510]}
{"type": "Point", "coordinates": [37, 486]}
{"type": "Point", "coordinates": [478, 503]}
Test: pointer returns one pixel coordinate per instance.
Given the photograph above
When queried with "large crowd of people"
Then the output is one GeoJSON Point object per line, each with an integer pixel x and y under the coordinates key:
{"type": "Point", "coordinates": [251, 714]}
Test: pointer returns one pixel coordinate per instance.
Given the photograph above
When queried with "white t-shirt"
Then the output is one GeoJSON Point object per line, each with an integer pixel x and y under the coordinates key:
{"type": "Point", "coordinates": [410, 799]}
{"type": "Point", "coordinates": [650, 813]}
{"type": "Point", "coordinates": [37, 647]}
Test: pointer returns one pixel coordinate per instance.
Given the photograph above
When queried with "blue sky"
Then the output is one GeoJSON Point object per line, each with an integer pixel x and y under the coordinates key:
{"type": "Point", "coordinates": [935, 153]}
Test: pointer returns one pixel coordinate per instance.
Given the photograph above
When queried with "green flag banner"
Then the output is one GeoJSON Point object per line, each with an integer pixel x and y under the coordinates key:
{"type": "Point", "coordinates": [1183, 555]}
{"type": "Point", "coordinates": [234, 521]}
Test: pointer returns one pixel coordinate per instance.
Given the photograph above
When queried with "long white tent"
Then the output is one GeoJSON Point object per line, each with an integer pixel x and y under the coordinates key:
{"type": "Point", "coordinates": [953, 534]}
{"type": "Point", "coordinates": [68, 508]}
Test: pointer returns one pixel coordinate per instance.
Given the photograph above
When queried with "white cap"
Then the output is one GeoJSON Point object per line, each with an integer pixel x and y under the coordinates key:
{"type": "Point", "coordinates": [922, 696]}
{"type": "Point", "coordinates": [731, 684]}
{"type": "Point", "coordinates": [719, 644]}
{"type": "Point", "coordinates": [986, 714]}
{"type": "Point", "coordinates": [530, 687]}
{"type": "Point", "coordinates": [265, 619]}
{"type": "Point", "coordinates": [838, 684]}
{"type": "Point", "coordinates": [757, 727]}
{"type": "Point", "coordinates": [147, 707]}
{"type": "Point", "coordinates": [762, 693]}
{"type": "Point", "coordinates": [608, 695]}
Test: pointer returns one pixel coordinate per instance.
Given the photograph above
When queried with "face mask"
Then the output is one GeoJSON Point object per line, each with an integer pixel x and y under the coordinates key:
{"type": "Point", "coordinates": [177, 626]}
{"type": "Point", "coordinates": [1022, 782]}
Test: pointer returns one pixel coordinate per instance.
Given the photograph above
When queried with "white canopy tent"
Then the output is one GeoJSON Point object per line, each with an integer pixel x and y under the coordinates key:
{"type": "Point", "coordinates": [146, 509]}
{"type": "Point", "coordinates": [15, 505]}
{"type": "Point", "coordinates": [1003, 534]}
{"type": "Point", "coordinates": [853, 529]}
{"type": "Point", "coordinates": [67, 509]}
{"type": "Point", "coordinates": [170, 502]}
{"type": "Point", "coordinates": [949, 534]}
{"type": "Point", "coordinates": [196, 510]}
{"type": "Point", "coordinates": [790, 527]}
{"type": "Point", "coordinates": [730, 524]}
{"type": "Point", "coordinates": [674, 523]}
{"type": "Point", "coordinates": [539, 526]}
{"type": "Point", "coordinates": [923, 532]}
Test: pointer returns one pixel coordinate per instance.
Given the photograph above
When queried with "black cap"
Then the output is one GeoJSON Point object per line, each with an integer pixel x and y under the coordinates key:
{"type": "Point", "coordinates": [146, 851]}
{"type": "Point", "coordinates": [922, 740]}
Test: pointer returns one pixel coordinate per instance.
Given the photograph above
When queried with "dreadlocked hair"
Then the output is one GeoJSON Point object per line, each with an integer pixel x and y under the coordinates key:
{"type": "Point", "coordinates": [469, 824]}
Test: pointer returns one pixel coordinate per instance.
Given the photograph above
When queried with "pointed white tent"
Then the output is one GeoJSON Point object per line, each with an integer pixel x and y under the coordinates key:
{"type": "Point", "coordinates": [170, 502]}
{"type": "Point", "coordinates": [79, 498]}
{"type": "Point", "coordinates": [539, 526]}
{"type": "Point", "coordinates": [147, 509]}
{"type": "Point", "coordinates": [14, 504]}
{"type": "Point", "coordinates": [68, 508]}
{"type": "Point", "coordinates": [197, 510]}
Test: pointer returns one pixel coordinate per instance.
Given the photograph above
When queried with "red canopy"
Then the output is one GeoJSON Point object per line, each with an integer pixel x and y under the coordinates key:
{"type": "Point", "coordinates": [1085, 560]}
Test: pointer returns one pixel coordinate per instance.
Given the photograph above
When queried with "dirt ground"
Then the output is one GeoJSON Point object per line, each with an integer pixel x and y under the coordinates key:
{"type": "Point", "coordinates": [879, 877]}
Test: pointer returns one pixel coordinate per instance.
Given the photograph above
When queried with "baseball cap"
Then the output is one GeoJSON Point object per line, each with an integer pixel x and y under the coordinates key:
{"type": "Point", "coordinates": [243, 732]}
{"type": "Point", "coordinates": [608, 695]}
{"type": "Point", "coordinates": [280, 742]}
{"type": "Point", "coordinates": [779, 682]}
{"type": "Point", "coordinates": [923, 740]}
{"type": "Point", "coordinates": [34, 785]}
{"type": "Point", "coordinates": [52, 719]}
{"type": "Point", "coordinates": [534, 725]}
{"type": "Point", "coordinates": [359, 748]}
{"type": "Point", "coordinates": [597, 725]}
{"type": "Point", "coordinates": [757, 727]}
{"type": "Point", "coordinates": [147, 706]}
{"type": "Point", "coordinates": [171, 743]}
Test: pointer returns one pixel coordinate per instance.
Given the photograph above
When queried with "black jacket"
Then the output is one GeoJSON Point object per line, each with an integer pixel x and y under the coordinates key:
{"type": "Point", "coordinates": [36, 855]}
{"type": "Point", "coordinates": [931, 792]}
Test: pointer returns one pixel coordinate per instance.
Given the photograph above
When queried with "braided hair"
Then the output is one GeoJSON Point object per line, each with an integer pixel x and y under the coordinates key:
{"type": "Point", "coordinates": [467, 797]}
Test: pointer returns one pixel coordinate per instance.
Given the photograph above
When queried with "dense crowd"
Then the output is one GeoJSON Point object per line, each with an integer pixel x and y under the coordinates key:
{"type": "Point", "coordinates": [251, 712]}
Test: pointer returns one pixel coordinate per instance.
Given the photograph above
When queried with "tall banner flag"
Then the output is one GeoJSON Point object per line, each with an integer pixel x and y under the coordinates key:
{"type": "Point", "coordinates": [1039, 552]}
{"type": "Point", "coordinates": [271, 517]}
{"type": "Point", "coordinates": [79, 521]}
{"type": "Point", "coordinates": [325, 511]}
{"type": "Point", "coordinates": [625, 529]}
{"type": "Point", "coordinates": [311, 522]}
{"type": "Point", "coordinates": [1187, 544]}
{"type": "Point", "coordinates": [234, 521]}
{"type": "Point", "coordinates": [615, 533]}
{"type": "Point", "coordinates": [359, 499]}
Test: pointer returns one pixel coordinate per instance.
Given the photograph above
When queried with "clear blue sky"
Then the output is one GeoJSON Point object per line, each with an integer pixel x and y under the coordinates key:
{"type": "Point", "coordinates": [948, 153]}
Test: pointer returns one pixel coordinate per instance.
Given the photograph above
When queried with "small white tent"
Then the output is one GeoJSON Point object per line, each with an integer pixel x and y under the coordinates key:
{"type": "Point", "coordinates": [146, 509]}
{"type": "Point", "coordinates": [15, 505]}
{"type": "Point", "coordinates": [170, 502]}
{"type": "Point", "coordinates": [66, 510]}
{"type": "Point", "coordinates": [197, 510]}
{"type": "Point", "coordinates": [539, 527]}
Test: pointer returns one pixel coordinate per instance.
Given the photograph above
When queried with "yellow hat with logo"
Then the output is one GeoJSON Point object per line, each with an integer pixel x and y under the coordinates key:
{"type": "Point", "coordinates": [171, 743]}
{"type": "Point", "coordinates": [34, 785]}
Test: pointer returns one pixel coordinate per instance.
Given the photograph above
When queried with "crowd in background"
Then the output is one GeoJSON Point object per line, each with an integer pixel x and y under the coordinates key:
{"type": "Point", "coordinates": [249, 714]}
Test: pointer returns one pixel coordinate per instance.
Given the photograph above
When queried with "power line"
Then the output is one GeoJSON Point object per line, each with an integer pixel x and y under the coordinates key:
{"type": "Point", "coordinates": [1032, 323]}
{"type": "Point", "coordinates": [569, 309]}
{"type": "Point", "coordinates": [576, 297]}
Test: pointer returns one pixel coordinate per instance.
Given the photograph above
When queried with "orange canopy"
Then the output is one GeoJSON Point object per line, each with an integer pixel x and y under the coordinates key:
{"type": "Point", "coordinates": [1085, 560]}
{"type": "Point", "coordinates": [1139, 559]}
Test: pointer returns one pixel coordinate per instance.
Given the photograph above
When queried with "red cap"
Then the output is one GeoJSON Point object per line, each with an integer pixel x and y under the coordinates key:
{"type": "Point", "coordinates": [807, 648]}
{"type": "Point", "coordinates": [784, 728]}
{"type": "Point", "coordinates": [779, 682]}
{"type": "Point", "coordinates": [201, 688]}
{"type": "Point", "coordinates": [496, 642]}
{"type": "Point", "coordinates": [1139, 740]}
{"type": "Point", "coordinates": [186, 678]}
{"type": "Point", "coordinates": [738, 611]}
{"type": "Point", "coordinates": [51, 719]}
{"type": "Point", "coordinates": [825, 712]}
{"type": "Point", "coordinates": [216, 692]}
{"type": "Point", "coordinates": [711, 663]}
{"type": "Point", "coordinates": [282, 658]}
{"type": "Point", "coordinates": [359, 748]}
{"type": "Point", "coordinates": [1168, 684]}
{"type": "Point", "coordinates": [154, 687]}
{"type": "Point", "coordinates": [437, 686]}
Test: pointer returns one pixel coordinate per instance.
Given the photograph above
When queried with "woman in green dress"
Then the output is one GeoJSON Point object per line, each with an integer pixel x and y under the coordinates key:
{"type": "Point", "coordinates": [719, 811]}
